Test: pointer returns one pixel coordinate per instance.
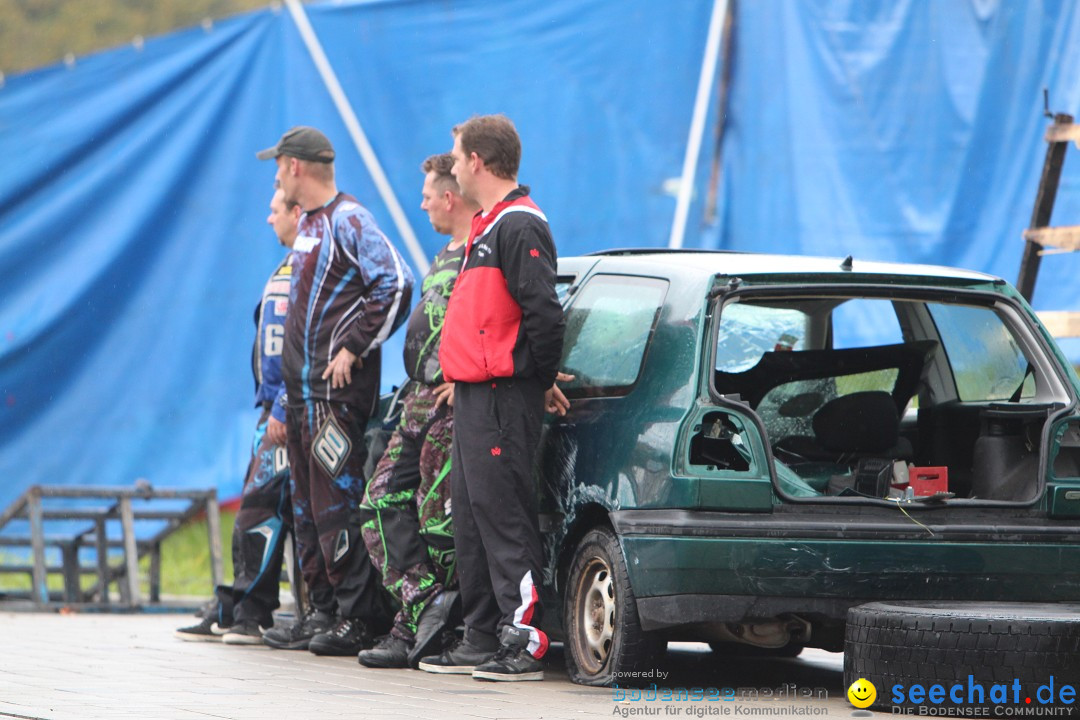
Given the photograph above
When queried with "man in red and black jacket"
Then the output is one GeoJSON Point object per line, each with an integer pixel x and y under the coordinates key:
{"type": "Point", "coordinates": [502, 344]}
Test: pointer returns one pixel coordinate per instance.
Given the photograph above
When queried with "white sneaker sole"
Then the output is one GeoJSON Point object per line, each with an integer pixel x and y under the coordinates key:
{"type": "Point", "coordinates": [448, 669]}
{"type": "Point", "coordinates": [238, 639]}
{"type": "Point", "coordinates": [507, 677]}
{"type": "Point", "coordinates": [191, 637]}
{"type": "Point", "coordinates": [218, 633]}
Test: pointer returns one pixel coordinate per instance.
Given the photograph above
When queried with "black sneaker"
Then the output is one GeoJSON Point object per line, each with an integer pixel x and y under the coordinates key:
{"type": "Point", "coordinates": [348, 637]}
{"type": "Point", "coordinates": [245, 632]}
{"type": "Point", "coordinates": [460, 659]}
{"type": "Point", "coordinates": [298, 635]}
{"type": "Point", "coordinates": [390, 652]}
{"type": "Point", "coordinates": [513, 662]}
{"type": "Point", "coordinates": [433, 622]}
{"type": "Point", "coordinates": [206, 630]}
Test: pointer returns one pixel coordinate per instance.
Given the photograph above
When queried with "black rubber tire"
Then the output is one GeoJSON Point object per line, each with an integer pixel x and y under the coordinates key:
{"type": "Point", "coordinates": [942, 643]}
{"type": "Point", "coordinates": [742, 650]}
{"type": "Point", "coordinates": [600, 604]}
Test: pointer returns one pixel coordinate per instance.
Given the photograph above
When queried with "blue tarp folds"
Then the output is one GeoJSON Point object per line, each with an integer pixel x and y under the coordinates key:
{"type": "Point", "coordinates": [132, 209]}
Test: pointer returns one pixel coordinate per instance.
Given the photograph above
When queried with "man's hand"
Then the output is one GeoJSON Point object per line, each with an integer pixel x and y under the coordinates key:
{"type": "Point", "coordinates": [275, 431]}
{"type": "Point", "coordinates": [554, 400]}
{"type": "Point", "coordinates": [340, 368]}
{"type": "Point", "coordinates": [444, 394]}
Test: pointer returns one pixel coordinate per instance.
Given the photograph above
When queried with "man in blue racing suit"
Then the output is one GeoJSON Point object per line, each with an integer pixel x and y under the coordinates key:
{"type": "Point", "coordinates": [265, 513]}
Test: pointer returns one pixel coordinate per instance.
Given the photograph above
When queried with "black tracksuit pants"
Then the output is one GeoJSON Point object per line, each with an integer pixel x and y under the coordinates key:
{"type": "Point", "coordinates": [496, 529]}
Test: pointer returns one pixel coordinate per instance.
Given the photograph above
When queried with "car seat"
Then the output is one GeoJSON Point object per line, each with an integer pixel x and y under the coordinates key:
{"type": "Point", "coordinates": [846, 429]}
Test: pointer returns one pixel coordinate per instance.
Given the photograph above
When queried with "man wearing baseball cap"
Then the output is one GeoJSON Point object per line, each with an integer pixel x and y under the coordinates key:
{"type": "Point", "coordinates": [302, 143]}
{"type": "Point", "coordinates": [353, 291]}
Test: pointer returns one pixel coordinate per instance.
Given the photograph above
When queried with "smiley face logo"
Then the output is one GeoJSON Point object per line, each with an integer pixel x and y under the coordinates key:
{"type": "Point", "coordinates": [862, 693]}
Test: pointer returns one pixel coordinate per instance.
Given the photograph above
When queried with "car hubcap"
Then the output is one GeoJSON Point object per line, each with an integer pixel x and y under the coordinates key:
{"type": "Point", "coordinates": [596, 607]}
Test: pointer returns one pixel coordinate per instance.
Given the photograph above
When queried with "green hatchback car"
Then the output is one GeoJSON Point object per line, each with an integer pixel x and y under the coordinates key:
{"type": "Point", "coordinates": [757, 444]}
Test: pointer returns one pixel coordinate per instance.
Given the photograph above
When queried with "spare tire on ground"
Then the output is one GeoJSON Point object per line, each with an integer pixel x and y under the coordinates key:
{"type": "Point", "coordinates": [1010, 650]}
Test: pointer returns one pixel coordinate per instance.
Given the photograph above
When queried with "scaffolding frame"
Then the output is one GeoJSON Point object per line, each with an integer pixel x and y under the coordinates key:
{"type": "Point", "coordinates": [124, 504]}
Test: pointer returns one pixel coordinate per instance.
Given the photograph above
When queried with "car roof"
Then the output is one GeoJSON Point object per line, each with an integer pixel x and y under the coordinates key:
{"type": "Point", "coordinates": [741, 264]}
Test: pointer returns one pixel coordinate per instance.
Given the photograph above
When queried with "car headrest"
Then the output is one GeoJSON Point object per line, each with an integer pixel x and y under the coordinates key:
{"type": "Point", "coordinates": [862, 422]}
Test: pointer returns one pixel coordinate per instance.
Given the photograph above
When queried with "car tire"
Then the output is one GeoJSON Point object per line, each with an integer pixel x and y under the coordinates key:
{"type": "Point", "coordinates": [604, 640]}
{"type": "Point", "coordinates": [742, 650]}
{"type": "Point", "coordinates": [942, 643]}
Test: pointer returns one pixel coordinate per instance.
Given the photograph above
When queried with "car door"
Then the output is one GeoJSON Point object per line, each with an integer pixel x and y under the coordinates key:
{"type": "Point", "coordinates": [610, 320]}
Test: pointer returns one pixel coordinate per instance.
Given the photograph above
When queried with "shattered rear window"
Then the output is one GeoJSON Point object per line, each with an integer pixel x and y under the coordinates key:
{"type": "Point", "coordinates": [789, 409]}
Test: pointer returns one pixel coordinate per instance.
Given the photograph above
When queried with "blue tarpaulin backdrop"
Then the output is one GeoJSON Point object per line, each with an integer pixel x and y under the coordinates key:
{"type": "Point", "coordinates": [132, 208]}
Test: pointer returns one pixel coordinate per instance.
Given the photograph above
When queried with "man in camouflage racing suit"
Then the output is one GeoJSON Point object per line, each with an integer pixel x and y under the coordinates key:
{"type": "Point", "coordinates": [406, 508]}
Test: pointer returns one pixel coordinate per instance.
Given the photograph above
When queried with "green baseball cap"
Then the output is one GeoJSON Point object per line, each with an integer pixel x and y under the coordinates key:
{"type": "Point", "coordinates": [303, 143]}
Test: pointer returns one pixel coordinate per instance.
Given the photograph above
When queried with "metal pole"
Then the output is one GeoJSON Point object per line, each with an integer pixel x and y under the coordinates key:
{"type": "Point", "coordinates": [155, 573]}
{"type": "Point", "coordinates": [101, 540]}
{"type": "Point", "coordinates": [697, 124]}
{"type": "Point", "coordinates": [40, 592]}
{"type": "Point", "coordinates": [356, 132]}
{"type": "Point", "coordinates": [131, 552]}
{"type": "Point", "coordinates": [727, 42]}
{"type": "Point", "coordinates": [1044, 208]}
{"type": "Point", "coordinates": [69, 557]}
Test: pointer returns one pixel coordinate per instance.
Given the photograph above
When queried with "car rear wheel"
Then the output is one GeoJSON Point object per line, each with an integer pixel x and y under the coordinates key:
{"type": "Point", "coordinates": [605, 643]}
{"type": "Point", "coordinates": [943, 643]}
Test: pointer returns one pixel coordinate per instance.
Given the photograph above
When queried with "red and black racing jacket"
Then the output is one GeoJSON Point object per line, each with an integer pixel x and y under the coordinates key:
{"type": "Point", "coordinates": [504, 318]}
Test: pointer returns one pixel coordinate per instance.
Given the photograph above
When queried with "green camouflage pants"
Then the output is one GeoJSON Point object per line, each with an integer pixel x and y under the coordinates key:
{"type": "Point", "coordinates": [406, 508]}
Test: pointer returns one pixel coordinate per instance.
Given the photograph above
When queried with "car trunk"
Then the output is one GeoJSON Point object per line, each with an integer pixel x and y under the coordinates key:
{"type": "Point", "coordinates": [935, 458]}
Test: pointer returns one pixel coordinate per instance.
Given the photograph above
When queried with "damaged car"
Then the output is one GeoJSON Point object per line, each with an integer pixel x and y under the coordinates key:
{"type": "Point", "coordinates": [758, 444]}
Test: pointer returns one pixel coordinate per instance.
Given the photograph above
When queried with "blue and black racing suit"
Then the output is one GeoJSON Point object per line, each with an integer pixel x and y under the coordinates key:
{"type": "Point", "coordinates": [353, 292]}
{"type": "Point", "coordinates": [265, 514]}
